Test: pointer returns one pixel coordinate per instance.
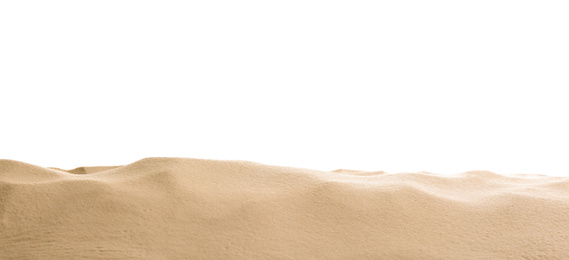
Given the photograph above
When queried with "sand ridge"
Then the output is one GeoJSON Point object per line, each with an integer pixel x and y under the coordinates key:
{"type": "Point", "coordinates": [183, 208]}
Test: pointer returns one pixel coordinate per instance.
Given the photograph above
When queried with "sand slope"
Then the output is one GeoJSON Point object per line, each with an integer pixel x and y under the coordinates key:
{"type": "Point", "coordinates": [181, 208]}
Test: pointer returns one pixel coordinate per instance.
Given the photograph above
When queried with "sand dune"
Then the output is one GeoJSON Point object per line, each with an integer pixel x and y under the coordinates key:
{"type": "Point", "coordinates": [181, 208]}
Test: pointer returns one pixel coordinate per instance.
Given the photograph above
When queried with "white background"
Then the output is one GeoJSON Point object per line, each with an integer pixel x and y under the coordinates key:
{"type": "Point", "coordinates": [398, 86]}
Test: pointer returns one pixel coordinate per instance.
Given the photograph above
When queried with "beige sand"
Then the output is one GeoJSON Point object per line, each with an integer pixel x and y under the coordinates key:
{"type": "Point", "coordinates": [180, 208]}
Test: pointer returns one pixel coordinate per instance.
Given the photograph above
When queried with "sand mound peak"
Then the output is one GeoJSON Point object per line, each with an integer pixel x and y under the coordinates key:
{"type": "Point", "coordinates": [12, 171]}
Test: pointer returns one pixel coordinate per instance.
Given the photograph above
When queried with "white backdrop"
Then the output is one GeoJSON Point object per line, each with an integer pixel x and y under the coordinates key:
{"type": "Point", "coordinates": [398, 86]}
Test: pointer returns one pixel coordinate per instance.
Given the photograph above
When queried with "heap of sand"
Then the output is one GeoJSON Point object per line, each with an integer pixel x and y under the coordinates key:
{"type": "Point", "coordinates": [181, 208]}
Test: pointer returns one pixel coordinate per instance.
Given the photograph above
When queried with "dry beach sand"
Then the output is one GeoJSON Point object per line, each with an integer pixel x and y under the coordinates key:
{"type": "Point", "coordinates": [181, 208]}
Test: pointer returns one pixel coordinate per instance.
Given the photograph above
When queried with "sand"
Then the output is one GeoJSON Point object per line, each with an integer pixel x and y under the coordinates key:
{"type": "Point", "coordinates": [182, 208]}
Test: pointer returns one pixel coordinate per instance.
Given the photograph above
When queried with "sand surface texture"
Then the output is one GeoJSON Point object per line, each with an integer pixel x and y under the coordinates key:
{"type": "Point", "coordinates": [181, 208]}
